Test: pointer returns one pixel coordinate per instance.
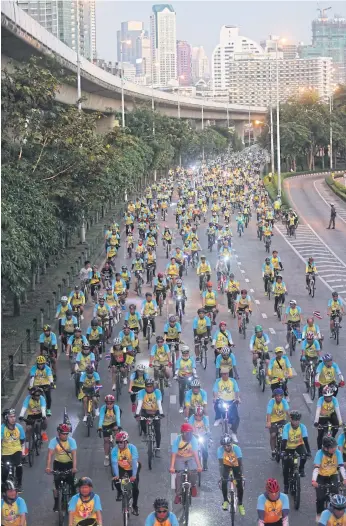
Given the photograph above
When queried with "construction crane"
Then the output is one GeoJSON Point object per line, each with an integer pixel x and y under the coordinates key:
{"type": "Point", "coordinates": [322, 12]}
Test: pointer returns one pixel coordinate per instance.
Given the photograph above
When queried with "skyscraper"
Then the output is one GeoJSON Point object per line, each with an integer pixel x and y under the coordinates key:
{"type": "Point", "coordinates": [143, 60]}
{"type": "Point", "coordinates": [128, 34]}
{"type": "Point", "coordinates": [329, 40]}
{"type": "Point", "coordinates": [199, 64]}
{"type": "Point", "coordinates": [60, 18]}
{"type": "Point", "coordinates": [163, 44]}
{"type": "Point", "coordinates": [184, 63]}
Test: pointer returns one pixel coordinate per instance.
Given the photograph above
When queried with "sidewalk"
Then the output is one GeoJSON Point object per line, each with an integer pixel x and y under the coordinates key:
{"type": "Point", "coordinates": [19, 334]}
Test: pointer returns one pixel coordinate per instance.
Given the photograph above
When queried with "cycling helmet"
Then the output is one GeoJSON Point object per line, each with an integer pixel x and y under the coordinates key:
{"type": "Point", "coordinates": [109, 398]}
{"type": "Point", "coordinates": [328, 442]}
{"type": "Point", "coordinates": [293, 302]}
{"type": "Point", "coordinates": [209, 284]}
{"type": "Point", "coordinates": [126, 326]}
{"type": "Point", "coordinates": [225, 351]}
{"type": "Point", "coordinates": [179, 281]}
{"type": "Point", "coordinates": [199, 411]}
{"type": "Point", "coordinates": [124, 267]}
{"type": "Point", "coordinates": [327, 357]}
{"type": "Point", "coordinates": [295, 415]}
{"type": "Point", "coordinates": [278, 392]}
{"type": "Point", "coordinates": [64, 298]}
{"type": "Point", "coordinates": [172, 318]}
{"type": "Point", "coordinates": [8, 486]}
{"type": "Point", "coordinates": [86, 346]}
{"type": "Point", "coordinates": [222, 323]}
{"type": "Point", "coordinates": [258, 328]}
{"type": "Point", "coordinates": [272, 486]}
{"type": "Point", "coordinates": [40, 360]}
{"type": "Point", "coordinates": [159, 339]}
{"type": "Point", "coordinates": [36, 390]}
{"type": "Point", "coordinates": [47, 327]}
{"type": "Point", "coordinates": [117, 341]}
{"type": "Point", "coordinates": [160, 275]}
{"type": "Point", "coordinates": [160, 503]}
{"type": "Point", "coordinates": [78, 329]}
{"type": "Point", "coordinates": [279, 276]}
{"type": "Point", "coordinates": [149, 382]}
{"type": "Point", "coordinates": [7, 413]}
{"type": "Point", "coordinates": [122, 436]}
{"type": "Point", "coordinates": [89, 369]}
{"type": "Point", "coordinates": [185, 349]}
{"type": "Point", "coordinates": [63, 428]}
{"type": "Point", "coordinates": [186, 428]}
{"type": "Point", "coordinates": [328, 391]}
{"type": "Point", "coordinates": [202, 257]}
{"type": "Point", "coordinates": [84, 481]}
{"type": "Point", "coordinates": [68, 313]}
{"type": "Point", "coordinates": [334, 293]}
{"type": "Point", "coordinates": [310, 335]}
{"type": "Point", "coordinates": [195, 383]}
{"type": "Point", "coordinates": [231, 276]}
{"type": "Point", "coordinates": [267, 260]}
{"type": "Point", "coordinates": [132, 306]}
{"type": "Point", "coordinates": [338, 502]}
{"type": "Point", "coordinates": [140, 367]}
{"type": "Point", "coordinates": [279, 349]}
{"type": "Point", "coordinates": [226, 440]}
{"type": "Point", "coordinates": [243, 291]}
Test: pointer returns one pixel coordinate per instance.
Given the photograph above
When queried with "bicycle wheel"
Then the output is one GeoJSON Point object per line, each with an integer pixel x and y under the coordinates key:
{"type": "Point", "coordinates": [186, 507]}
{"type": "Point", "coordinates": [150, 453]}
{"type": "Point", "coordinates": [61, 511]}
{"type": "Point", "coordinates": [89, 424]}
{"type": "Point", "coordinates": [244, 328]}
{"type": "Point", "coordinates": [149, 334]}
{"type": "Point", "coordinates": [296, 496]}
{"type": "Point", "coordinates": [337, 334]}
{"type": "Point", "coordinates": [31, 454]}
{"type": "Point", "coordinates": [232, 508]}
{"type": "Point", "coordinates": [173, 363]}
{"type": "Point", "coordinates": [205, 355]}
{"type": "Point", "coordinates": [312, 387]}
{"type": "Point", "coordinates": [118, 385]}
{"type": "Point", "coordinates": [263, 380]}
{"type": "Point", "coordinates": [269, 289]}
{"type": "Point", "coordinates": [291, 345]}
{"type": "Point", "coordinates": [180, 316]}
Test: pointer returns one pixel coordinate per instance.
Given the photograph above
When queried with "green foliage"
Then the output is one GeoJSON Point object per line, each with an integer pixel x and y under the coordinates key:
{"type": "Point", "coordinates": [338, 188]}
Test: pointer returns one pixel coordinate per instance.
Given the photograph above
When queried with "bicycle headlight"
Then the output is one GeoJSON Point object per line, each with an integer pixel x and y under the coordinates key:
{"type": "Point", "coordinates": [201, 439]}
{"type": "Point", "coordinates": [225, 406]}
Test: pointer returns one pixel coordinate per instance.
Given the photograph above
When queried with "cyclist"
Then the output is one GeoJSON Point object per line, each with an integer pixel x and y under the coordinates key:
{"type": "Point", "coordinates": [275, 260]}
{"type": "Point", "coordinates": [150, 261]}
{"type": "Point", "coordinates": [232, 289]}
{"type": "Point", "coordinates": [259, 347]}
{"type": "Point", "coordinates": [342, 444]}
{"type": "Point", "coordinates": [94, 335]}
{"type": "Point", "coordinates": [49, 347]}
{"type": "Point", "coordinates": [327, 411]}
{"type": "Point", "coordinates": [133, 319]}
{"type": "Point", "coordinates": [94, 280]}
{"type": "Point", "coordinates": [335, 309]}
{"type": "Point", "coordinates": [311, 326]}
{"type": "Point", "coordinates": [292, 317]}
{"type": "Point", "coordinates": [160, 356]}
{"type": "Point", "coordinates": [77, 300]}
{"type": "Point", "coordinates": [148, 313]}
{"type": "Point", "coordinates": [61, 310]}
{"type": "Point", "coordinates": [327, 463]}
{"type": "Point", "coordinates": [35, 406]}
{"type": "Point", "coordinates": [336, 511]}
{"type": "Point", "coordinates": [41, 376]}
{"type": "Point", "coordinates": [226, 360]}
{"type": "Point", "coordinates": [221, 270]}
{"type": "Point", "coordinates": [128, 342]}
{"type": "Point", "coordinates": [172, 331]}
{"type": "Point", "coordinates": [209, 301]}
{"type": "Point", "coordinates": [310, 350]}
{"type": "Point", "coordinates": [231, 459]}
{"type": "Point", "coordinates": [279, 371]}
{"type": "Point", "coordinates": [185, 452]}
{"type": "Point", "coordinates": [118, 360]}
{"type": "Point", "coordinates": [67, 326]}
{"type": "Point", "coordinates": [107, 274]}
{"type": "Point", "coordinates": [86, 505]}
{"type": "Point", "coordinates": [137, 383]}
{"type": "Point", "coordinates": [294, 439]}
{"type": "Point", "coordinates": [243, 304]}
{"type": "Point", "coordinates": [203, 269]}
{"type": "Point", "coordinates": [328, 373]}
{"type": "Point", "coordinates": [179, 294]}
{"type": "Point", "coordinates": [102, 312]}
{"type": "Point", "coordinates": [240, 222]}
{"type": "Point", "coordinates": [201, 329]}
{"type": "Point", "coordinates": [201, 429]}
{"type": "Point", "coordinates": [124, 460]}
{"type": "Point", "coordinates": [279, 291]}
{"type": "Point", "coordinates": [89, 380]}
{"type": "Point", "coordinates": [125, 275]}
{"type": "Point", "coordinates": [172, 271]}
{"type": "Point", "coordinates": [149, 404]}
{"type": "Point", "coordinates": [310, 269]}
{"type": "Point", "coordinates": [267, 274]}
{"type": "Point", "coordinates": [277, 414]}
{"type": "Point", "coordinates": [273, 507]}
{"type": "Point", "coordinates": [195, 397]}
{"type": "Point", "coordinates": [138, 268]}
{"type": "Point", "coordinates": [160, 287]}
{"type": "Point", "coordinates": [226, 392]}
{"type": "Point", "coordinates": [109, 421]}
{"type": "Point", "coordinates": [185, 370]}
{"type": "Point", "coordinates": [12, 446]}
{"type": "Point", "coordinates": [84, 358]}
{"type": "Point", "coordinates": [74, 346]}
{"type": "Point", "coordinates": [13, 507]}
{"type": "Point", "coordinates": [161, 515]}
{"type": "Point", "coordinates": [63, 450]}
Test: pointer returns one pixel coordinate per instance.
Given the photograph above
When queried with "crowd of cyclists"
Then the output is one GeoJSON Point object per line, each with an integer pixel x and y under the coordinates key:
{"type": "Point", "coordinates": [206, 206]}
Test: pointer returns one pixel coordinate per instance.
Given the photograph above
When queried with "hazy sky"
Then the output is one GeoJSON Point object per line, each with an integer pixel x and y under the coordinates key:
{"type": "Point", "coordinates": [199, 22]}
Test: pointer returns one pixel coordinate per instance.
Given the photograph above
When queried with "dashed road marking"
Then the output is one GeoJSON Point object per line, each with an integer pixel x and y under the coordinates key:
{"type": "Point", "coordinates": [264, 315]}
{"type": "Point", "coordinates": [247, 280]}
{"type": "Point", "coordinates": [271, 330]}
{"type": "Point", "coordinates": [252, 290]}
{"type": "Point", "coordinates": [173, 437]}
{"type": "Point", "coordinates": [239, 263]}
{"type": "Point", "coordinates": [173, 399]}
{"type": "Point", "coordinates": [242, 271]}
{"type": "Point", "coordinates": [257, 302]}
{"type": "Point", "coordinates": [294, 372]}
{"type": "Point", "coordinates": [307, 398]}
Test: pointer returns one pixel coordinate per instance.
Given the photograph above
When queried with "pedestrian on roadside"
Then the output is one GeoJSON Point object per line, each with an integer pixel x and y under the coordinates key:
{"type": "Point", "coordinates": [332, 217]}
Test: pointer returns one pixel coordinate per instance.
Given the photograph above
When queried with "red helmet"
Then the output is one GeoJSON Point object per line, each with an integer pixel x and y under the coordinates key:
{"type": "Point", "coordinates": [160, 275]}
{"type": "Point", "coordinates": [272, 486]}
{"type": "Point", "coordinates": [186, 428]}
{"type": "Point", "coordinates": [209, 284]}
{"type": "Point", "coordinates": [222, 323]}
{"type": "Point", "coordinates": [109, 398]}
{"type": "Point", "coordinates": [122, 436]}
{"type": "Point", "coordinates": [63, 428]}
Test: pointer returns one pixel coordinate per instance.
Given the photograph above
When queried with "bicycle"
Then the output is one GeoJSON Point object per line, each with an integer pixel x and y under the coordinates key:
{"type": "Point", "coordinates": [160, 303]}
{"type": "Point", "coordinates": [232, 304]}
{"type": "Point", "coordinates": [64, 493]}
{"type": "Point", "coordinates": [278, 440]}
{"type": "Point", "coordinates": [239, 229]}
{"type": "Point", "coordinates": [330, 489]}
{"type": "Point", "coordinates": [280, 306]}
{"type": "Point", "coordinates": [261, 375]}
{"type": "Point", "coordinates": [293, 335]}
{"type": "Point", "coordinates": [35, 442]}
{"type": "Point", "coordinates": [186, 494]}
{"type": "Point", "coordinates": [179, 301]}
{"type": "Point", "coordinates": [159, 376]}
{"type": "Point", "coordinates": [310, 372]}
{"type": "Point", "coordinates": [311, 284]}
{"type": "Point", "coordinates": [90, 409]}
{"type": "Point", "coordinates": [243, 323]}
{"type": "Point", "coordinates": [194, 259]}
{"type": "Point", "coordinates": [10, 472]}
{"type": "Point", "coordinates": [140, 282]}
{"type": "Point", "coordinates": [204, 282]}
{"type": "Point", "coordinates": [232, 495]}
{"type": "Point", "coordinates": [294, 478]}
{"type": "Point", "coordinates": [149, 329]}
{"type": "Point", "coordinates": [336, 326]}
{"type": "Point", "coordinates": [150, 275]}
{"type": "Point", "coordinates": [173, 348]}
{"type": "Point", "coordinates": [223, 279]}
{"type": "Point", "coordinates": [225, 425]}
{"type": "Point", "coordinates": [203, 351]}
{"type": "Point", "coordinates": [150, 438]}
{"type": "Point", "coordinates": [267, 243]}
{"type": "Point", "coordinates": [267, 285]}
{"type": "Point", "coordinates": [118, 383]}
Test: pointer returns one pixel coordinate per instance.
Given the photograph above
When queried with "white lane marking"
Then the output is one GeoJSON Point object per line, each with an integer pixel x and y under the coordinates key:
{"type": "Point", "coordinates": [328, 204]}
{"type": "Point", "coordinates": [239, 263]}
{"type": "Point", "coordinates": [173, 437]}
{"type": "Point", "coordinates": [173, 399]}
{"type": "Point", "coordinates": [252, 290]}
{"type": "Point", "coordinates": [271, 330]}
{"type": "Point", "coordinates": [257, 302]}
{"type": "Point", "coordinates": [173, 481]}
{"type": "Point", "coordinates": [236, 255]}
{"type": "Point", "coordinates": [242, 271]}
{"type": "Point", "coordinates": [332, 280]}
{"type": "Point", "coordinates": [307, 398]}
{"type": "Point", "coordinates": [338, 286]}
{"type": "Point", "coordinates": [294, 372]}
{"type": "Point", "coordinates": [342, 291]}
{"type": "Point", "coordinates": [247, 280]}
{"type": "Point", "coordinates": [264, 315]}
{"type": "Point", "coordinates": [327, 247]}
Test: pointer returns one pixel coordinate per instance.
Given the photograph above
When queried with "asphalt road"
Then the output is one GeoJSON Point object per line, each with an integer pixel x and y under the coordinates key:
{"type": "Point", "coordinates": [248, 256]}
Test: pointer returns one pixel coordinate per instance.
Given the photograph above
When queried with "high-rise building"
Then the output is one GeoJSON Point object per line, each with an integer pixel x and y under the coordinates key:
{"type": "Point", "coordinates": [128, 35]}
{"type": "Point", "coordinates": [184, 63]}
{"type": "Point", "coordinates": [143, 60]}
{"type": "Point", "coordinates": [199, 64]}
{"type": "Point", "coordinates": [163, 44]}
{"type": "Point", "coordinates": [230, 44]}
{"type": "Point", "coordinates": [329, 40]}
{"type": "Point", "coordinates": [60, 18]}
{"type": "Point", "coordinates": [288, 49]}
{"type": "Point", "coordinates": [253, 81]}
{"type": "Point", "coordinates": [45, 12]}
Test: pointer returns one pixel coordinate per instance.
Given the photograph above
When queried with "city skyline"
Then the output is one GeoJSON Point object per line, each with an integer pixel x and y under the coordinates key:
{"type": "Point", "coordinates": [267, 18]}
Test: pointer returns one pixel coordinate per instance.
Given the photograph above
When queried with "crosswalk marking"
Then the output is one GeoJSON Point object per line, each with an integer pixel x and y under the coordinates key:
{"type": "Point", "coordinates": [264, 315]}
{"type": "Point", "coordinates": [271, 330]}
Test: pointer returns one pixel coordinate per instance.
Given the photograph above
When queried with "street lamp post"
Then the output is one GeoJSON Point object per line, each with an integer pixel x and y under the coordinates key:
{"type": "Point", "coordinates": [203, 124]}
{"type": "Point", "coordinates": [278, 147]}
{"type": "Point", "coordinates": [270, 129]}
{"type": "Point", "coordinates": [330, 131]}
{"type": "Point", "coordinates": [79, 86]}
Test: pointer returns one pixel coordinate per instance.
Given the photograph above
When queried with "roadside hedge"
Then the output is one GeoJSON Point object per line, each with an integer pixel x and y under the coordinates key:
{"type": "Point", "coordinates": [338, 188]}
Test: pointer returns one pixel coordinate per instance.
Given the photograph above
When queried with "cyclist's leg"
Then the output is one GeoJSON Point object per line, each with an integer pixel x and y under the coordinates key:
{"type": "Point", "coordinates": [157, 429]}
{"type": "Point", "coordinates": [240, 489]}
{"type": "Point", "coordinates": [225, 475]}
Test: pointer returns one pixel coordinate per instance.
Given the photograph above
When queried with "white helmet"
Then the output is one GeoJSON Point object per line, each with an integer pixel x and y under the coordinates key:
{"type": "Point", "coordinates": [140, 367]}
{"type": "Point", "coordinates": [64, 298]}
{"type": "Point", "coordinates": [293, 302]}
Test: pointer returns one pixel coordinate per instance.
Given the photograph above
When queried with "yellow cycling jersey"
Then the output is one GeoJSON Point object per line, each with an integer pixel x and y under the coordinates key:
{"type": "Point", "coordinates": [110, 300]}
{"type": "Point", "coordinates": [41, 378]}
{"type": "Point", "coordinates": [34, 407]}
{"type": "Point", "coordinates": [125, 459]}
{"type": "Point", "coordinates": [328, 466]}
{"type": "Point", "coordinates": [149, 308]}
{"type": "Point", "coordinates": [226, 390]}
{"type": "Point", "coordinates": [293, 315]}
{"type": "Point", "coordinates": [63, 454]}
{"type": "Point", "coordinates": [151, 242]}
{"type": "Point", "coordinates": [184, 449]}
{"type": "Point", "coordinates": [278, 370]}
{"type": "Point", "coordinates": [334, 305]}
{"type": "Point", "coordinates": [230, 459]}
{"type": "Point", "coordinates": [84, 362]}
{"type": "Point", "coordinates": [10, 443]}
{"type": "Point", "coordinates": [150, 259]}
{"type": "Point", "coordinates": [295, 438]}
{"type": "Point", "coordinates": [69, 326]}
{"type": "Point", "coordinates": [125, 276]}
{"type": "Point", "coordinates": [221, 340]}
{"type": "Point", "coordinates": [109, 417]}
{"type": "Point", "coordinates": [94, 336]}
{"type": "Point", "coordinates": [167, 236]}
{"type": "Point", "coordinates": [102, 312]}
{"type": "Point", "coordinates": [138, 381]}
{"type": "Point", "coordinates": [161, 355]}
{"type": "Point", "coordinates": [172, 333]}
{"type": "Point", "coordinates": [210, 299]}
{"type": "Point", "coordinates": [196, 399]}
{"type": "Point", "coordinates": [278, 413]}
{"type": "Point", "coordinates": [310, 269]}
{"type": "Point", "coordinates": [279, 289]}
{"type": "Point", "coordinates": [185, 367]}
{"type": "Point", "coordinates": [10, 514]}
{"type": "Point", "coordinates": [138, 265]}
{"type": "Point", "coordinates": [118, 287]}
{"type": "Point", "coordinates": [327, 409]}
{"type": "Point", "coordinates": [63, 309]}
{"type": "Point", "coordinates": [233, 286]}
{"type": "Point", "coordinates": [113, 241]}
{"type": "Point", "coordinates": [226, 364]}
{"type": "Point", "coordinates": [150, 402]}
{"type": "Point", "coordinates": [259, 344]}
{"type": "Point", "coordinates": [275, 262]}
{"type": "Point", "coordinates": [173, 270]}
{"type": "Point", "coordinates": [132, 321]}
{"type": "Point", "coordinates": [204, 268]}
{"type": "Point", "coordinates": [310, 351]}
{"type": "Point", "coordinates": [201, 326]}
{"type": "Point", "coordinates": [84, 511]}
